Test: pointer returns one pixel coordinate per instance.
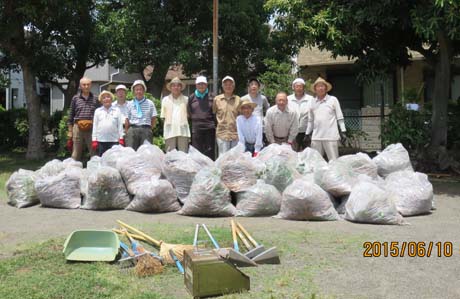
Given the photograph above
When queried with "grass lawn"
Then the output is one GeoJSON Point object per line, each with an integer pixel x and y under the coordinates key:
{"type": "Point", "coordinates": [42, 272]}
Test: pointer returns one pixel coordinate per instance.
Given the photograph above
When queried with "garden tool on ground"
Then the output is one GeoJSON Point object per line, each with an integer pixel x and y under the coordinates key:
{"type": "Point", "coordinates": [162, 246]}
{"type": "Point", "coordinates": [252, 251]}
{"type": "Point", "coordinates": [230, 254]}
{"type": "Point", "coordinates": [178, 263]}
{"type": "Point", "coordinates": [269, 256]}
{"type": "Point", "coordinates": [146, 263]}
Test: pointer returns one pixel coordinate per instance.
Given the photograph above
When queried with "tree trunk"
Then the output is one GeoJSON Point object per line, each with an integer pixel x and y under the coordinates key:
{"type": "Point", "coordinates": [34, 146]}
{"type": "Point", "coordinates": [156, 83]}
{"type": "Point", "coordinates": [69, 92]}
{"type": "Point", "coordinates": [442, 83]}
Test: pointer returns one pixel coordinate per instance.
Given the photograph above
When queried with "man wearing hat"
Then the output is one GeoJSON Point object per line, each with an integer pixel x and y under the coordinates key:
{"type": "Point", "coordinates": [141, 117]}
{"type": "Point", "coordinates": [281, 122]}
{"type": "Point", "coordinates": [323, 116]}
{"type": "Point", "coordinates": [202, 118]}
{"type": "Point", "coordinates": [225, 106]}
{"type": "Point", "coordinates": [174, 112]}
{"type": "Point", "coordinates": [255, 96]}
{"type": "Point", "coordinates": [107, 125]}
{"type": "Point", "coordinates": [121, 103]}
{"type": "Point", "coordinates": [249, 128]}
{"type": "Point", "coordinates": [80, 123]}
{"type": "Point", "coordinates": [299, 101]}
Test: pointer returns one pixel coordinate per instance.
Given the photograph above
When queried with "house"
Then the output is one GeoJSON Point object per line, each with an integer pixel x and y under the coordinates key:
{"type": "Point", "coordinates": [361, 103]}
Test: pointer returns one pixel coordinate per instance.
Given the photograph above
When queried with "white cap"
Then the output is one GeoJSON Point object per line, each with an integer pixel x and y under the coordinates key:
{"type": "Point", "coordinates": [121, 86]}
{"type": "Point", "coordinates": [201, 79]}
{"type": "Point", "coordinates": [138, 82]}
{"type": "Point", "coordinates": [298, 81]}
{"type": "Point", "coordinates": [228, 78]}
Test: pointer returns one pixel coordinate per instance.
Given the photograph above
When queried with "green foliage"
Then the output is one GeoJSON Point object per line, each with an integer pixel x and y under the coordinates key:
{"type": "Point", "coordinates": [354, 138]}
{"type": "Point", "coordinates": [407, 127]}
{"type": "Point", "coordinates": [62, 136]}
{"type": "Point", "coordinates": [411, 95]}
{"type": "Point", "coordinates": [453, 125]}
{"type": "Point", "coordinates": [13, 128]}
{"type": "Point", "coordinates": [277, 77]}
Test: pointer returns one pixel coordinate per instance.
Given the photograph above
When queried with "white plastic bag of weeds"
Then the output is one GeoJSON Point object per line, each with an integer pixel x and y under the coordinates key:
{"type": "Point", "coordinates": [282, 152]}
{"type": "Point", "coordinates": [260, 199]}
{"type": "Point", "coordinates": [69, 162]}
{"type": "Point", "coordinates": [208, 196]}
{"type": "Point", "coordinates": [94, 163]}
{"type": "Point", "coordinates": [106, 190]}
{"type": "Point", "coordinates": [303, 200]}
{"type": "Point", "coordinates": [370, 203]}
{"type": "Point", "coordinates": [115, 153]}
{"type": "Point", "coordinates": [393, 158]}
{"type": "Point", "coordinates": [239, 171]}
{"type": "Point", "coordinates": [51, 168]}
{"type": "Point", "coordinates": [152, 151]}
{"type": "Point", "coordinates": [279, 173]}
{"type": "Point", "coordinates": [156, 196]}
{"type": "Point", "coordinates": [62, 190]}
{"type": "Point", "coordinates": [411, 191]}
{"type": "Point", "coordinates": [137, 169]}
{"type": "Point", "coordinates": [20, 189]}
{"type": "Point", "coordinates": [309, 160]}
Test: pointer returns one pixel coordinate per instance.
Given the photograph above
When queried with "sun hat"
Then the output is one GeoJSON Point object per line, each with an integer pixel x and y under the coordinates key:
{"type": "Point", "coordinates": [321, 80]}
{"type": "Point", "coordinates": [101, 95]}
{"type": "Point", "coordinates": [247, 102]}
{"type": "Point", "coordinates": [138, 82]}
{"type": "Point", "coordinates": [175, 80]}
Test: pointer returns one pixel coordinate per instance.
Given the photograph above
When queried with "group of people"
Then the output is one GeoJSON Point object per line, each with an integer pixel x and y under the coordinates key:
{"type": "Point", "coordinates": [299, 119]}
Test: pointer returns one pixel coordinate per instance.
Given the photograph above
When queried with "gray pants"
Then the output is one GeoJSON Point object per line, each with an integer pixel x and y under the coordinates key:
{"type": "Point", "coordinates": [136, 136]}
{"type": "Point", "coordinates": [225, 145]}
{"type": "Point", "coordinates": [330, 147]}
{"type": "Point", "coordinates": [179, 142]}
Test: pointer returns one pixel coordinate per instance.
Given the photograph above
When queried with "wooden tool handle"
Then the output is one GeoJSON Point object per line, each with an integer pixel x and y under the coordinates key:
{"type": "Point", "coordinates": [243, 239]}
{"type": "Point", "coordinates": [247, 234]}
{"type": "Point", "coordinates": [235, 240]}
{"type": "Point", "coordinates": [147, 237]}
{"type": "Point", "coordinates": [134, 236]}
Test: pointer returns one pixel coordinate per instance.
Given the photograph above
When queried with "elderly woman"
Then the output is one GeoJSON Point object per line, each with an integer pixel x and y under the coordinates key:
{"type": "Point", "coordinates": [107, 125]}
{"type": "Point", "coordinates": [249, 127]}
{"type": "Point", "coordinates": [176, 130]}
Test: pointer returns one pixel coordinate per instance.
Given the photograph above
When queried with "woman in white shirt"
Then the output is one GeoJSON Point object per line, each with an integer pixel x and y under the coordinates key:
{"type": "Point", "coordinates": [249, 127]}
{"type": "Point", "coordinates": [107, 125]}
{"type": "Point", "coordinates": [176, 130]}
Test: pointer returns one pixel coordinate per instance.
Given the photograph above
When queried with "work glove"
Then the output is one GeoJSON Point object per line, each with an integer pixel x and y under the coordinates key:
{"type": "Point", "coordinates": [343, 139]}
{"type": "Point", "coordinates": [94, 145]}
{"type": "Point", "coordinates": [69, 145]}
{"type": "Point", "coordinates": [307, 139]}
{"type": "Point", "coordinates": [255, 154]}
{"type": "Point", "coordinates": [121, 142]}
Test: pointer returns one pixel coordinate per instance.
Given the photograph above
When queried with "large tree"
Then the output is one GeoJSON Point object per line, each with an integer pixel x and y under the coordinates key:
{"type": "Point", "coordinates": [379, 34]}
{"type": "Point", "coordinates": [166, 33]}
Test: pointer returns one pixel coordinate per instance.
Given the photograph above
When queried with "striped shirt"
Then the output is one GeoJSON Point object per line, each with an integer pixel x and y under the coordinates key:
{"type": "Point", "coordinates": [107, 124]}
{"type": "Point", "coordinates": [148, 112]}
{"type": "Point", "coordinates": [82, 108]}
{"type": "Point", "coordinates": [250, 131]}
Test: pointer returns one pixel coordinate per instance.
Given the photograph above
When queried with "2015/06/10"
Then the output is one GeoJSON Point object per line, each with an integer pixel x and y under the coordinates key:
{"type": "Point", "coordinates": [410, 249]}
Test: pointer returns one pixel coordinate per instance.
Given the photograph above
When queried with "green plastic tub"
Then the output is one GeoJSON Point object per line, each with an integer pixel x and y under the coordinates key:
{"type": "Point", "coordinates": [91, 245]}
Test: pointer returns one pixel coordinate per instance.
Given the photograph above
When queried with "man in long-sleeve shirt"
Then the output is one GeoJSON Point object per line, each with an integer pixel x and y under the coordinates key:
{"type": "Point", "coordinates": [281, 123]}
{"type": "Point", "coordinates": [249, 128]}
{"type": "Point", "coordinates": [300, 101]}
{"type": "Point", "coordinates": [324, 114]}
{"type": "Point", "coordinates": [80, 122]}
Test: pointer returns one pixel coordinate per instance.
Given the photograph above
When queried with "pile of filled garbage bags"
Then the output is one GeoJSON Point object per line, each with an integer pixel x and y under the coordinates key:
{"type": "Point", "coordinates": [278, 182]}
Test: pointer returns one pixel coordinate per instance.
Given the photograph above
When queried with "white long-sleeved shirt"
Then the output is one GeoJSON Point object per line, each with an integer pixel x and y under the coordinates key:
{"type": "Point", "coordinates": [323, 116]}
{"type": "Point", "coordinates": [107, 124]}
{"type": "Point", "coordinates": [301, 106]}
{"type": "Point", "coordinates": [250, 131]}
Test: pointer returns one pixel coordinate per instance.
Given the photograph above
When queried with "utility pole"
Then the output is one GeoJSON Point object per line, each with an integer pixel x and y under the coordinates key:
{"type": "Point", "coordinates": [215, 44]}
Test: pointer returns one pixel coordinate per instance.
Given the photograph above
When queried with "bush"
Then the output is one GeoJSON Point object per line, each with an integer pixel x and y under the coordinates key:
{"type": "Point", "coordinates": [14, 128]}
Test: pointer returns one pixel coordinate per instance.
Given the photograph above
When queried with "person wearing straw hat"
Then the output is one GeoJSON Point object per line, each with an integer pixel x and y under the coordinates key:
{"type": "Point", "coordinates": [202, 118]}
{"type": "Point", "coordinates": [80, 121]}
{"type": "Point", "coordinates": [299, 101]}
{"type": "Point", "coordinates": [249, 128]}
{"type": "Point", "coordinates": [121, 103]}
{"type": "Point", "coordinates": [225, 106]}
{"type": "Point", "coordinates": [107, 125]}
{"type": "Point", "coordinates": [323, 116]}
{"type": "Point", "coordinates": [255, 96]}
{"type": "Point", "coordinates": [141, 117]}
{"type": "Point", "coordinates": [174, 112]}
{"type": "Point", "coordinates": [281, 122]}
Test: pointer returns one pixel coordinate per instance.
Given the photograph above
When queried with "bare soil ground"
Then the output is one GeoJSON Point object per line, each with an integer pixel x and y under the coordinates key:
{"type": "Point", "coordinates": [345, 274]}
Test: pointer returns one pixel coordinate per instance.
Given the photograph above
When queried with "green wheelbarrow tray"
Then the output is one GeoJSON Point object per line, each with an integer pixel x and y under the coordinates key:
{"type": "Point", "coordinates": [91, 245]}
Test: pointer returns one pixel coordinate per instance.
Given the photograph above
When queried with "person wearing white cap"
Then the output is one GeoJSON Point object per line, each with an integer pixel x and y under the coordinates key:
{"type": "Point", "coordinates": [121, 102]}
{"type": "Point", "coordinates": [323, 116]}
{"type": "Point", "coordinates": [176, 131]}
{"type": "Point", "coordinates": [202, 118]}
{"type": "Point", "coordinates": [225, 106]}
{"type": "Point", "coordinates": [141, 117]}
{"type": "Point", "coordinates": [299, 101]}
{"type": "Point", "coordinates": [255, 96]}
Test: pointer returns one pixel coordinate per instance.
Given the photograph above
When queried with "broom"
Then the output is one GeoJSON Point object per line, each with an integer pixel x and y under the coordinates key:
{"type": "Point", "coordinates": [146, 264]}
{"type": "Point", "coordinates": [164, 248]}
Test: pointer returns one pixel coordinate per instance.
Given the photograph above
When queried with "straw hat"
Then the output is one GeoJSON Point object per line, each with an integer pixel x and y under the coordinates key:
{"type": "Point", "coordinates": [138, 82]}
{"type": "Point", "coordinates": [101, 95]}
{"type": "Point", "coordinates": [247, 102]}
{"type": "Point", "coordinates": [321, 80]}
{"type": "Point", "coordinates": [175, 80]}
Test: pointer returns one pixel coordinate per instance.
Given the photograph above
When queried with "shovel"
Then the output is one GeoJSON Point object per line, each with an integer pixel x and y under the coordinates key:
{"type": "Point", "coordinates": [269, 256]}
{"type": "Point", "coordinates": [230, 254]}
{"type": "Point", "coordinates": [254, 251]}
